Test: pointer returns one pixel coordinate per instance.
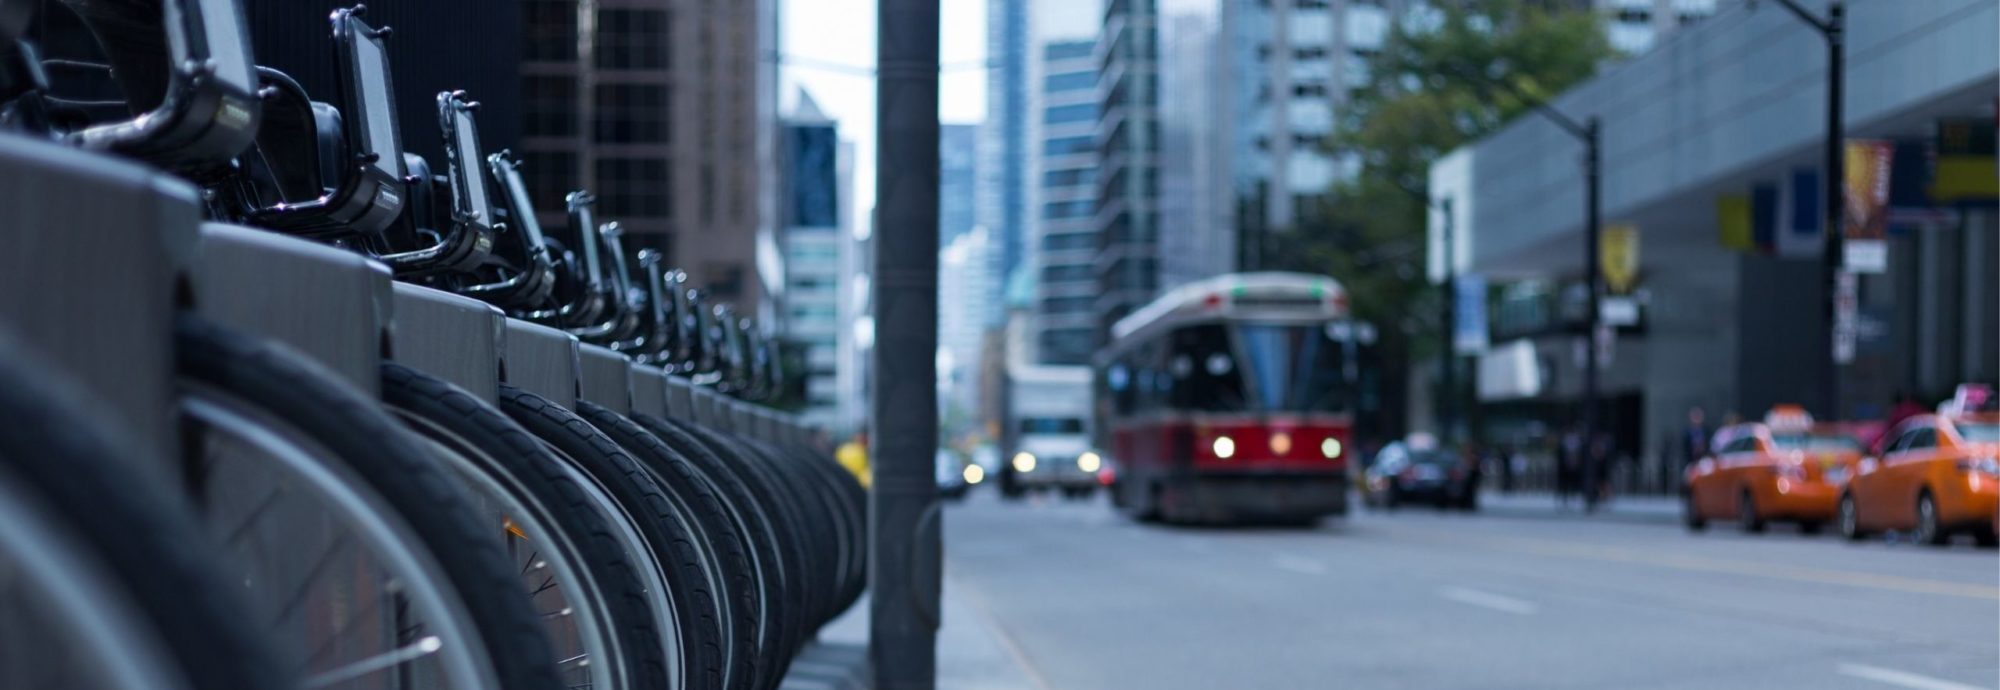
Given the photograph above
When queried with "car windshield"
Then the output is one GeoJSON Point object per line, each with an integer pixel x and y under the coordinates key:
{"type": "Point", "coordinates": [1435, 458]}
{"type": "Point", "coordinates": [1816, 442]}
{"type": "Point", "coordinates": [1052, 425]}
{"type": "Point", "coordinates": [1979, 432]}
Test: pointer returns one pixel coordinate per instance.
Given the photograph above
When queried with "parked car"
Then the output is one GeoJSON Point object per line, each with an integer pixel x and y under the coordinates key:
{"type": "Point", "coordinates": [1786, 468]}
{"type": "Point", "coordinates": [1937, 475]}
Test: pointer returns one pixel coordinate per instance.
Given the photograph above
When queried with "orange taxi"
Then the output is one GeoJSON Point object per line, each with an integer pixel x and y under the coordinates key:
{"type": "Point", "coordinates": [1937, 475]}
{"type": "Point", "coordinates": [1784, 469]}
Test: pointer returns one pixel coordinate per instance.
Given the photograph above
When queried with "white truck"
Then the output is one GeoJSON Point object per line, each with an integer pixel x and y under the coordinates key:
{"type": "Point", "coordinates": [1045, 440]}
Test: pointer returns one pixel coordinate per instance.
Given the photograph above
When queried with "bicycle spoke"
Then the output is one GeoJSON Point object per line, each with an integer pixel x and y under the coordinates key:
{"type": "Point", "coordinates": [318, 569]}
{"type": "Point", "coordinates": [374, 664]}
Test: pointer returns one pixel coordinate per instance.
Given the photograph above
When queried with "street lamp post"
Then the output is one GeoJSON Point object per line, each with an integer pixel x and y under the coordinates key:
{"type": "Point", "coordinates": [1448, 358]}
{"type": "Point", "coordinates": [1834, 29]}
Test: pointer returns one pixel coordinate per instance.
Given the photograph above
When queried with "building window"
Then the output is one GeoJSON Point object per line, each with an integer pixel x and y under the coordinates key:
{"type": "Point", "coordinates": [1070, 50]}
{"type": "Point", "coordinates": [631, 114]}
{"type": "Point", "coordinates": [550, 26]}
{"type": "Point", "coordinates": [551, 175]}
{"type": "Point", "coordinates": [1061, 274]}
{"type": "Point", "coordinates": [1069, 146]}
{"type": "Point", "coordinates": [1070, 81]}
{"type": "Point", "coordinates": [1069, 242]}
{"type": "Point", "coordinates": [549, 105]}
{"type": "Point", "coordinates": [1075, 177]}
{"type": "Point", "coordinates": [1061, 210]}
{"type": "Point", "coordinates": [1068, 305]}
{"type": "Point", "coordinates": [632, 39]}
{"type": "Point", "coordinates": [1065, 114]}
{"type": "Point", "coordinates": [633, 187]}
{"type": "Point", "coordinates": [814, 312]}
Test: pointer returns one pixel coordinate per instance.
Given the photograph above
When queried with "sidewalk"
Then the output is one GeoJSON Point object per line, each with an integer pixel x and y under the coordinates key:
{"type": "Point", "coordinates": [973, 653]}
{"type": "Point", "coordinates": [1538, 504]}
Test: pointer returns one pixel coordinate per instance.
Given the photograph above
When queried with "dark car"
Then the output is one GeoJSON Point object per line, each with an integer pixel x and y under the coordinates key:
{"type": "Point", "coordinates": [1414, 473]}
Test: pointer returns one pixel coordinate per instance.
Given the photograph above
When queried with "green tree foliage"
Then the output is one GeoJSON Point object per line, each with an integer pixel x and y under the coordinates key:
{"type": "Point", "coordinates": [1445, 77]}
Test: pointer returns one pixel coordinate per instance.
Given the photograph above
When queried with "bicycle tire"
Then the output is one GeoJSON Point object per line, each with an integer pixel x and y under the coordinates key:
{"type": "Point", "coordinates": [52, 444]}
{"type": "Point", "coordinates": [665, 529]}
{"type": "Point", "coordinates": [396, 467]}
{"type": "Point", "coordinates": [674, 473]}
{"type": "Point", "coordinates": [847, 520]}
{"type": "Point", "coordinates": [534, 470]}
{"type": "Point", "coordinates": [822, 538]}
{"type": "Point", "coordinates": [769, 540]}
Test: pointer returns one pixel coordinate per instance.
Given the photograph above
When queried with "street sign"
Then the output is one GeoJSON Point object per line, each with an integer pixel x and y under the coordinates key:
{"type": "Point", "coordinates": [1866, 213]}
{"type": "Point", "coordinates": [1618, 256]}
{"type": "Point", "coordinates": [1469, 327]}
{"type": "Point", "coordinates": [1846, 326]}
{"type": "Point", "coordinates": [1618, 312]}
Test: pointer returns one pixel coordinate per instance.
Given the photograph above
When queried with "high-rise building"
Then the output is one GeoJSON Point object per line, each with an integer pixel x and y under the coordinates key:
{"type": "Point", "coordinates": [958, 181]}
{"type": "Point", "coordinates": [1003, 147]}
{"type": "Point", "coordinates": [1635, 26]}
{"type": "Point", "coordinates": [813, 185]}
{"type": "Point", "coordinates": [964, 278]}
{"type": "Point", "coordinates": [665, 111]}
{"type": "Point", "coordinates": [1127, 268]}
{"type": "Point", "coordinates": [1063, 245]}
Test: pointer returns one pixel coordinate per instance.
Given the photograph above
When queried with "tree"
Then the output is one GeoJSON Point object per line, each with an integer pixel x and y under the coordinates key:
{"type": "Point", "coordinates": [1445, 76]}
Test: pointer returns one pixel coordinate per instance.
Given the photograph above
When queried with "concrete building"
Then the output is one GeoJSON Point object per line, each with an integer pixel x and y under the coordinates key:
{"type": "Point", "coordinates": [1635, 26]}
{"type": "Point", "coordinates": [1002, 187]}
{"type": "Point", "coordinates": [667, 112]}
{"type": "Point", "coordinates": [815, 190]}
{"type": "Point", "coordinates": [1730, 108]}
{"type": "Point", "coordinates": [1127, 271]}
{"type": "Point", "coordinates": [856, 344]}
{"type": "Point", "coordinates": [958, 181]}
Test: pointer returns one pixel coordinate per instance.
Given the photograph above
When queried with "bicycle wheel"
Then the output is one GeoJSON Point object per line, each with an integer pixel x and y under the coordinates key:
{"type": "Point", "coordinates": [362, 552]}
{"type": "Point", "coordinates": [589, 590]}
{"type": "Point", "coordinates": [696, 644]}
{"type": "Point", "coordinates": [745, 652]}
{"type": "Point", "coordinates": [86, 600]}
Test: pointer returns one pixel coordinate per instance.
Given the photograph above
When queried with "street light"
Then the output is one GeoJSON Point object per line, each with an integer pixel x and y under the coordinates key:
{"type": "Point", "coordinates": [1834, 29]}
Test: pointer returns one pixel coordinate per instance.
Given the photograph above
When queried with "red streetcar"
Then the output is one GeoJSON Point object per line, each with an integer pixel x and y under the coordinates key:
{"type": "Point", "coordinates": [1230, 400]}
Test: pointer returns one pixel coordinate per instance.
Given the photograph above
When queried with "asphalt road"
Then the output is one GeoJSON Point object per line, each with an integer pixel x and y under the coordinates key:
{"type": "Point", "coordinates": [1083, 599]}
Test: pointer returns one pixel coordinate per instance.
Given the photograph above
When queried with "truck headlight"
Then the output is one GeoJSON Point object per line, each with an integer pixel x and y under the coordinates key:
{"type": "Point", "coordinates": [1024, 462]}
{"type": "Point", "coordinates": [974, 474]}
{"type": "Point", "coordinates": [1089, 461]}
{"type": "Point", "coordinates": [1330, 448]}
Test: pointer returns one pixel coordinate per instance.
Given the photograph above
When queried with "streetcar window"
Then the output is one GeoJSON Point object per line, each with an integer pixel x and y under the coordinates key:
{"type": "Point", "coordinates": [1293, 367]}
{"type": "Point", "coordinates": [1215, 386]}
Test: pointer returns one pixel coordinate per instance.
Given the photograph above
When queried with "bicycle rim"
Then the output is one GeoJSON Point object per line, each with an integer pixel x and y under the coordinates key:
{"type": "Point", "coordinates": [340, 578]}
{"type": "Point", "coordinates": [586, 650]}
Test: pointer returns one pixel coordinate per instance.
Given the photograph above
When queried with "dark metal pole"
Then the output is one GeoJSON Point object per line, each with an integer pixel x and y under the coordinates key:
{"type": "Point", "coordinates": [1447, 358]}
{"type": "Point", "coordinates": [1593, 231]}
{"type": "Point", "coordinates": [1836, 178]}
{"type": "Point", "coordinates": [905, 543]}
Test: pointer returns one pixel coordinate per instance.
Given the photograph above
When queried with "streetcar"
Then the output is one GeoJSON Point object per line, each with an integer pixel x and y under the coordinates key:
{"type": "Point", "coordinates": [1231, 400]}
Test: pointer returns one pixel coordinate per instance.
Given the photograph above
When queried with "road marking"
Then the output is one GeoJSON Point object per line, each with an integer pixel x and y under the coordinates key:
{"type": "Point", "coordinates": [1901, 678]}
{"type": "Point", "coordinates": [1489, 600]}
{"type": "Point", "coordinates": [1730, 567]}
{"type": "Point", "coordinates": [1303, 566]}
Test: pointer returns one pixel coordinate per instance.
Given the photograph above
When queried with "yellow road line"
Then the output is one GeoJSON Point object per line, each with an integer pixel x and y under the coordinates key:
{"type": "Point", "coordinates": [1848, 578]}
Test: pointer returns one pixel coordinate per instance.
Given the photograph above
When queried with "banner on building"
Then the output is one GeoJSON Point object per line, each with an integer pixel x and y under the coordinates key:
{"type": "Point", "coordinates": [1734, 224]}
{"type": "Point", "coordinates": [1801, 224]}
{"type": "Point", "coordinates": [1618, 257]}
{"type": "Point", "coordinates": [1966, 153]}
{"type": "Point", "coordinates": [1866, 197]}
{"type": "Point", "coordinates": [1469, 319]}
{"type": "Point", "coordinates": [1764, 217]}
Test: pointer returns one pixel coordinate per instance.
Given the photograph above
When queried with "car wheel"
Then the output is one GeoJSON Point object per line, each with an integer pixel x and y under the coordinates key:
{"type": "Point", "coordinates": [1746, 513]}
{"type": "Point", "coordinates": [1928, 530]}
{"type": "Point", "coordinates": [1689, 516]}
{"type": "Point", "coordinates": [1850, 519]}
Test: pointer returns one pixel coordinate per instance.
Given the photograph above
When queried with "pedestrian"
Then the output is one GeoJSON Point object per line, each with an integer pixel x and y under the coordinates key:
{"type": "Point", "coordinates": [1504, 458]}
{"type": "Point", "coordinates": [1694, 438]}
{"type": "Point", "coordinates": [1569, 461]}
{"type": "Point", "coordinates": [1596, 462]}
{"type": "Point", "coordinates": [1905, 407]}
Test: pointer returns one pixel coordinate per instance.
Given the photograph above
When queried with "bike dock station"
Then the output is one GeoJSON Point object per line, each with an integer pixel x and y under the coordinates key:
{"type": "Point", "coordinates": [374, 405]}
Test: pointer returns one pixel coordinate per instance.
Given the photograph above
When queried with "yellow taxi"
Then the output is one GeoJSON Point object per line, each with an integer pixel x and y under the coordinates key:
{"type": "Point", "coordinates": [1937, 475]}
{"type": "Point", "coordinates": [1786, 468]}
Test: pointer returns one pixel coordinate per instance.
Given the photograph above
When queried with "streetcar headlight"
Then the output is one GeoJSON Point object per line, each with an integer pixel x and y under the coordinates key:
{"type": "Point", "coordinates": [1024, 462]}
{"type": "Point", "coordinates": [1281, 443]}
{"type": "Point", "coordinates": [1330, 448]}
{"type": "Point", "coordinates": [1089, 462]}
{"type": "Point", "coordinates": [1225, 447]}
{"type": "Point", "coordinates": [974, 474]}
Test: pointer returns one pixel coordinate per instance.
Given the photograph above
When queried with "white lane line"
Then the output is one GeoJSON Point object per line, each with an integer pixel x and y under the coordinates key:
{"type": "Point", "coordinates": [1303, 566]}
{"type": "Point", "coordinates": [1901, 678]}
{"type": "Point", "coordinates": [1489, 600]}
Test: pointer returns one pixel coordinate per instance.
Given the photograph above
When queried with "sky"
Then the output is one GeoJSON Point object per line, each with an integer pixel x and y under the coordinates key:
{"type": "Point", "coordinates": [829, 49]}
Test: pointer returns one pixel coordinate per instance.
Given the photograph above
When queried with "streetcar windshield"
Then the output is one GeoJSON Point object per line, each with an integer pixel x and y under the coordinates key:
{"type": "Point", "coordinates": [1293, 367]}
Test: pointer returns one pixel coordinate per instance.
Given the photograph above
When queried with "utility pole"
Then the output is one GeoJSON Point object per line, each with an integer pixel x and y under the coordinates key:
{"type": "Point", "coordinates": [1593, 230]}
{"type": "Point", "coordinates": [1833, 250]}
{"type": "Point", "coordinates": [905, 542]}
{"type": "Point", "coordinates": [1448, 358]}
